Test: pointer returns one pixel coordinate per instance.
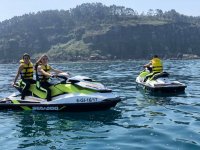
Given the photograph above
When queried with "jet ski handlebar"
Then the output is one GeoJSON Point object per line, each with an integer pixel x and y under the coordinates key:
{"type": "Point", "coordinates": [63, 75]}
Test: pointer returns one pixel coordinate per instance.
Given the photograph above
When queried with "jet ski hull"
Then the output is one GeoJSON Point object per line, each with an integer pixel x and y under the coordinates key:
{"type": "Point", "coordinates": [71, 107]}
{"type": "Point", "coordinates": [162, 89]}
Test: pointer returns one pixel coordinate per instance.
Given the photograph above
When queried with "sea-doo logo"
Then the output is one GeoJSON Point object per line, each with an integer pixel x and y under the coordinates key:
{"type": "Point", "coordinates": [86, 100]}
{"type": "Point", "coordinates": [45, 108]}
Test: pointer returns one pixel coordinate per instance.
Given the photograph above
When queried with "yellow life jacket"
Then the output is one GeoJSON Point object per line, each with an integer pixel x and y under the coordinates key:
{"type": "Point", "coordinates": [157, 65]}
{"type": "Point", "coordinates": [40, 76]}
{"type": "Point", "coordinates": [27, 71]}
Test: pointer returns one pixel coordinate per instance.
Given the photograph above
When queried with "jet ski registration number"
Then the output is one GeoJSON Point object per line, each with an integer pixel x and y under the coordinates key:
{"type": "Point", "coordinates": [86, 100]}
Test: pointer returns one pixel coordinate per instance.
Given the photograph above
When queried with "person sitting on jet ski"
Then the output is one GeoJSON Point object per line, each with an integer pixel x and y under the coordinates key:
{"type": "Point", "coordinates": [26, 71]}
{"type": "Point", "coordinates": [154, 66]}
{"type": "Point", "coordinates": [43, 74]}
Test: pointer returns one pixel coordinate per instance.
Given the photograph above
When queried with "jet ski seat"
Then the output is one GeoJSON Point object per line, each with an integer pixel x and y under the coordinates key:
{"type": "Point", "coordinates": [160, 75]}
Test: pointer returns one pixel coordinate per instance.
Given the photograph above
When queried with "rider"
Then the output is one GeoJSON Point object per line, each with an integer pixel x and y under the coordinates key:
{"type": "Point", "coordinates": [26, 71]}
{"type": "Point", "coordinates": [154, 66]}
{"type": "Point", "coordinates": [43, 74]}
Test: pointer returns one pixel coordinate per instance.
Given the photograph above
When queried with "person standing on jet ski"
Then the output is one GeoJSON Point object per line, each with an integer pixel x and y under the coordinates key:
{"type": "Point", "coordinates": [26, 71]}
{"type": "Point", "coordinates": [43, 74]}
{"type": "Point", "coordinates": [154, 66]}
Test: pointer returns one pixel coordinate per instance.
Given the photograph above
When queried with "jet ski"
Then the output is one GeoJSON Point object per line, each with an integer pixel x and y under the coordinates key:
{"type": "Point", "coordinates": [159, 83]}
{"type": "Point", "coordinates": [75, 94]}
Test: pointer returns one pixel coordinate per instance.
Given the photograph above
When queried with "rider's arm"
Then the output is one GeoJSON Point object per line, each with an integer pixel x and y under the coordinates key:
{"type": "Point", "coordinates": [21, 67]}
{"type": "Point", "coordinates": [56, 71]}
{"type": "Point", "coordinates": [148, 65]}
{"type": "Point", "coordinates": [39, 69]}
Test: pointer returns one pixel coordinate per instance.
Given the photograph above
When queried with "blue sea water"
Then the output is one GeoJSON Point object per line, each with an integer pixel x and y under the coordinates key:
{"type": "Point", "coordinates": [140, 121]}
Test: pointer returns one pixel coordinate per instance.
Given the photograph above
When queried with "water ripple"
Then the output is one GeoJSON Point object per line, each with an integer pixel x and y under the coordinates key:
{"type": "Point", "coordinates": [140, 121]}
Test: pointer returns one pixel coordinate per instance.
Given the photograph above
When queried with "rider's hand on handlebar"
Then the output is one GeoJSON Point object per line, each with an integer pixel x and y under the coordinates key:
{"type": "Point", "coordinates": [13, 84]}
{"type": "Point", "coordinates": [54, 76]}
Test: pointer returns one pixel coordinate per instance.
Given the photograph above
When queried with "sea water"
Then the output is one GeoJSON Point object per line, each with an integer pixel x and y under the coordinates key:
{"type": "Point", "coordinates": [139, 121]}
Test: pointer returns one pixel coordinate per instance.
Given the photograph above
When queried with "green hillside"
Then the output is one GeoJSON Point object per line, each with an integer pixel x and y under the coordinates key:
{"type": "Point", "coordinates": [95, 31]}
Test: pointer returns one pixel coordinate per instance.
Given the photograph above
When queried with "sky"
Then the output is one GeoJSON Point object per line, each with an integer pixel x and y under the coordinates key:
{"type": "Point", "coordinates": [11, 8]}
